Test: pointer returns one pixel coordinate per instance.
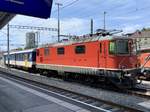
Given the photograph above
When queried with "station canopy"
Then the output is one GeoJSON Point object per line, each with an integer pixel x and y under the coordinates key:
{"type": "Point", "coordinates": [5, 18]}
{"type": "Point", "coordinates": [34, 8]}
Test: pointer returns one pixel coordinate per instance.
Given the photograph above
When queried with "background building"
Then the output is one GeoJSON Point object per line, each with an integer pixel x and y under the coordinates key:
{"type": "Point", "coordinates": [31, 40]}
{"type": "Point", "coordinates": [142, 38]}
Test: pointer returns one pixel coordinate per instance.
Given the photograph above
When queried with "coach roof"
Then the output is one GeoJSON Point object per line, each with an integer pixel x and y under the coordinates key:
{"type": "Point", "coordinates": [22, 51]}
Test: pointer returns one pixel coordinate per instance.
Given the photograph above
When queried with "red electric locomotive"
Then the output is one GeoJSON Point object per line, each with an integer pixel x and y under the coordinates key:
{"type": "Point", "coordinates": [106, 58]}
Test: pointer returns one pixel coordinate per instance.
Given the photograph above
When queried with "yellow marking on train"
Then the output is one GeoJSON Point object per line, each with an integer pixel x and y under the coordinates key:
{"type": "Point", "coordinates": [26, 63]}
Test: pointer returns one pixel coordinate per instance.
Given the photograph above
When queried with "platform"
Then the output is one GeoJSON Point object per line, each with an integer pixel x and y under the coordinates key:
{"type": "Point", "coordinates": [19, 98]}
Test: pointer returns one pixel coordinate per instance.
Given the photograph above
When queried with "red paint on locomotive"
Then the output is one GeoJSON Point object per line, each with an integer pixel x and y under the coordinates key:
{"type": "Point", "coordinates": [145, 63]}
{"type": "Point", "coordinates": [143, 57]}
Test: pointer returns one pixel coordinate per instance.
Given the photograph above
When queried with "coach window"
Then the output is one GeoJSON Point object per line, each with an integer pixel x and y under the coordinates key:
{"type": "Point", "coordinates": [112, 47]}
{"type": "Point", "coordinates": [80, 49]}
{"type": "Point", "coordinates": [60, 51]}
{"type": "Point", "coordinates": [46, 51]}
{"type": "Point", "coordinates": [10, 57]}
{"type": "Point", "coordinates": [30, 56]}
{"type": "Point", "coordinates": [16, 56]}
{"type": "Point", "coordinates": [13, 57]}
{"type": "Point", "coordinates": [6, 57]}
{"type": "Point", "coordinates": [23, 56]}
{"type": "Point", "coordinates": [20, 57]}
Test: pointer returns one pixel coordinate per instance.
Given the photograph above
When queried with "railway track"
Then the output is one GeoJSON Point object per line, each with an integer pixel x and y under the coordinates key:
{"type": "Point", "coordinates": [140, 91]}
{"type": "Point", "coordinates": [92, 104]}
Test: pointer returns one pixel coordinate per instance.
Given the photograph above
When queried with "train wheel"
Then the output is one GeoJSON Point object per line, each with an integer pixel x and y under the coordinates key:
{"type": "Point", "coordinates": [123, 83]}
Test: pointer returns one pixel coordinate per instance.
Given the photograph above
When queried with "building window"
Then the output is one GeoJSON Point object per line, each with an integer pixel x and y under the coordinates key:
{"type": "Point", "coordinates": [60, 50]}
{"type": "Point", "coordinates": [46, 51]}
{"type": "Point", "coordinates": [80, 49]}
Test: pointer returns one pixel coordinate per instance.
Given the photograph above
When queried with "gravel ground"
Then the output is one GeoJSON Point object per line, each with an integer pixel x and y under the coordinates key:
{"type": "Point", "coordinates": [119, 98]}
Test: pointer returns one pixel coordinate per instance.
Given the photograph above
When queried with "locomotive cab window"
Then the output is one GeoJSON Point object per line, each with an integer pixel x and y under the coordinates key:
{"type": "Point", "coordinates": [60, 51]}
{"type": "Point", "coordinates": [46, 51]}
{"type": "Point", "coordinates": [122, 47]}
{"type": "Point", "coordinates": [80, 49]}
{"type": "Point", "coordinates": [112, 47]}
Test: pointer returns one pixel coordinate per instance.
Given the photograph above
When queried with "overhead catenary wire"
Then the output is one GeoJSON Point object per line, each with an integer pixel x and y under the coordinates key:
{"type": "Point", "coordinates": [69, 4]}
{"type": "Point", "coordinates": [124, 13]}
{"type": "Point", "coordinates": [83, 14]}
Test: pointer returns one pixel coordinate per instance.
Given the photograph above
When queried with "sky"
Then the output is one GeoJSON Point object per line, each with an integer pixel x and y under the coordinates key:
{"type": "Point", "coordinates": [75, 15]}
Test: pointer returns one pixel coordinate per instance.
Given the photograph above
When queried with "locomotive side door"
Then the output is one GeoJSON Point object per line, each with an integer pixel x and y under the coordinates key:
{"type": "Point", "coordinates": [102, 54]}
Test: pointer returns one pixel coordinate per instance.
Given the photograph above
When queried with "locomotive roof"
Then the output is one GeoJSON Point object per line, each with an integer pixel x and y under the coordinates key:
{"type": "Point", "coordinates": [22, 51]}
{"type": "Point", "coordinates": [85, 40]}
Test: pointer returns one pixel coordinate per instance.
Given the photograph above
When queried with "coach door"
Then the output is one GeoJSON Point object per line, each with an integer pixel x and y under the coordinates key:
{"type": "Point", "coordinates": [26, 59]}
{"type": "Point", "coordinates": [102, 55]}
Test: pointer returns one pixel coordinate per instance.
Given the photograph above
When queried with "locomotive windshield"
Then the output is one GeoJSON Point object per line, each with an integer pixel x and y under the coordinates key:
{"type": "Point", "coordinates": [122, 47]}
{"type": "Point", "coordinates": [119, 47]}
